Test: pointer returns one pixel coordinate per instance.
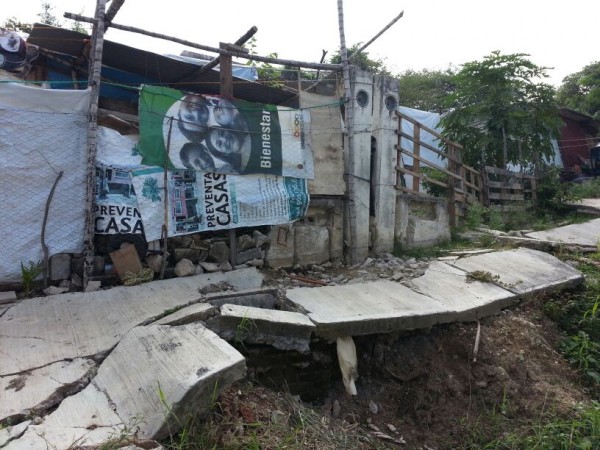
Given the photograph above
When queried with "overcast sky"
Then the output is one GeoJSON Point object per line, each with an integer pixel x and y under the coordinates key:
{"type": "Point", "coordinates": [433, 34]}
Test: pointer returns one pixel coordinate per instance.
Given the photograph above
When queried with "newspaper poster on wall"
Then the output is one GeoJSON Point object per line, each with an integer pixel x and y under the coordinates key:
{"type": "Point", "coordinates": [214, 134]}
{"type": "Point", "coordinates": [198, 201]}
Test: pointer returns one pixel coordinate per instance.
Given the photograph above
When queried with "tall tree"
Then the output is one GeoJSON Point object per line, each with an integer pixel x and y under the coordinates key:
{"type": "Point", "coordinates": [502, 111]}
{"type": "Point", "coordinates": [581, 90]}
{"type": "Point", "coordinates": [426, 90]}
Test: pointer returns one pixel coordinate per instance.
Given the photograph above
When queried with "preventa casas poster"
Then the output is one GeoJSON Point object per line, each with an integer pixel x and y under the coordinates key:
{"type": "Point", "coordinates": [213, 134]}
{"type": "Point", "coordinates": [193, 201]}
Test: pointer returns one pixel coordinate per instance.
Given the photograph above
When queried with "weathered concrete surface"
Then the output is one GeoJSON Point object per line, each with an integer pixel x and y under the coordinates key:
{"type": "Point", "coordinates": [154, 380]}
{"type": "Point", "coordinates": [465, 301]}
{"type": "Point", "coordinates": [523, 271]}
{"type": "Point", "coordinates": [585, 234]}
{"type": "Point", "coordinates": [283, 330]}
{"type": "Point", "coordinates": [12, 432]}
{"type": "Point", "coordinates": [36, 391]}
{"type": "Point", "coordinates": [384, 306]}
{"type": "Point", "coordinates": [163, 375]}
{"type": "Point", "coordinates": [366, 308]}
{"type": "Point", "coordinates": [189, 314]}
{"type": "Point", "coordinates": [40, 331]}
{"type": "Point", "coordinates": [86, 418]}
{"type": "Point", "coordinates": [8, 297]}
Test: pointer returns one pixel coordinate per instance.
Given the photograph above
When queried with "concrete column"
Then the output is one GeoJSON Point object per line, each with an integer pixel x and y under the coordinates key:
{"type": "Point", "coordinates": [385, 124]}
{"type": "Point", "coordinates": [362, 96]}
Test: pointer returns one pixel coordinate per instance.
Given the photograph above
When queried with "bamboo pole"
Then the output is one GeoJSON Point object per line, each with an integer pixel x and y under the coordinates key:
{"type": "Point", "coordinates": [396, 19]}
{"type": "Point", "coordinates": [349, 119]}
{"type": "Point", "coordinates": [94, 84]}
{"type": "Point", "coordinates": [237, 54]}
{"type": "Point", "coordinates": [113, 9]}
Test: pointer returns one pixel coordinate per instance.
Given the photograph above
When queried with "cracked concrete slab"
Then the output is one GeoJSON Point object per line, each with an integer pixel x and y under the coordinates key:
{"type": "Point", "coordinates": [189, 314]}
{"type": "Point", "coordinates": [523, 271]}
{"type": "Point", "coordinates": [154, 380]}
{"type": "Point", "coordinates": [465, 300]}
{"type": "Point", "coordinates": [33, 392]}
{"type": "Point", "coordinates": [86, 418]}
{"type": "Point", "coordinates": [366, 308]}
{"type": "Point", "coordinates": [161, 375]}
{"type": "Point", "coordinates": [584, 234]}
{"type": "Point", "coordinates": [12, 432]}
{"type": "Point", "coordinates": [39, 331]}
{"type": "Point", "coordinates": [284, 330]}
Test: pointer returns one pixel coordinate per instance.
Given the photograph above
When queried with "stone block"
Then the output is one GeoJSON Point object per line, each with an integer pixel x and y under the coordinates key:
{"type": "Point", "coordinates": [60, 267]}
{"type": "Point", "coordinates": [185, 268]}
{"type": "Point", "coordinates": [248, 255]}
{"type": "Point", "coordinates": [281, 251]}
{"type": "Point", "coordinates": [219, 252]}
{"type": "Point", "coordinates": [8, 297]}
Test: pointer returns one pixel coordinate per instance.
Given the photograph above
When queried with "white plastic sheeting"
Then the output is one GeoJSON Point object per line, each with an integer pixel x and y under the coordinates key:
{"type": "Point", "coordinates": [43, 132]}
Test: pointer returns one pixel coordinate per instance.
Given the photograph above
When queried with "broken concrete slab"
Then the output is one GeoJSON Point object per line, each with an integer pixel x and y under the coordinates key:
{"type": "Point", "coordinates": [84, 419]}
{"type": "Point", "coordinates": [584, 234]}
{"type": "Point", "coordinates": [40, 331]}
{"type": "Point", "coordinates": [35, 391]}
{"type": "Point", "coordinates": [367, 308]}
{"type": "Point", "coordinates": [468, 300]}
{"type": "Point", "coordinates": [175, 373]}
{"type": "Point", "coordinates": [284, 330]}
{"type": "Point", "coordinates": [523, 271]}
{"type": "Point", "coordinates": [189, 314]}
{"type": "Point", "coordinates": [12, 432]}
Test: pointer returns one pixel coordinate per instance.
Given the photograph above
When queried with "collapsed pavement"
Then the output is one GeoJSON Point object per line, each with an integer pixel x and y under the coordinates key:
{"type": "Point", "coordinates": [83, 368]}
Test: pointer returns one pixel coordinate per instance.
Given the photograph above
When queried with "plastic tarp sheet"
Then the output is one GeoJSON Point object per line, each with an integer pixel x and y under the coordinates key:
{"type": "Point", "coordinates": [43, 133]}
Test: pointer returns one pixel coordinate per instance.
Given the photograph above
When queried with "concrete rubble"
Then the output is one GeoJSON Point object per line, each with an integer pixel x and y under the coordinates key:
{"type": "Point", "coordinates": [125, 360]}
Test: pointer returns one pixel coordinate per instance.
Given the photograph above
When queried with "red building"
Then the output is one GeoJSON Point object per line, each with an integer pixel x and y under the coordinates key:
{"type": "Point", "coordinates": [579, 133]}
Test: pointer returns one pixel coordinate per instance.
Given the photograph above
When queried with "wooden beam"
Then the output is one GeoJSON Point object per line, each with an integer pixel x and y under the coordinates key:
{"type": "Point", "coordinates": [396, 19]}
{"type": "Point", "coordinates": [285, 62]}
{"type": "Point", "coordinates": [215, 62]}
{"type": "Point", "coordinates": [226, 77]}
{"type": "Point", "coordinates": [94, 82]}
{"type": "Point", "coordinates": [113, 9]}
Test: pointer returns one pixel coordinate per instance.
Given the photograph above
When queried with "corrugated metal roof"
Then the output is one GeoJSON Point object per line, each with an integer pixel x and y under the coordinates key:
{"type": "Point", "coordinates": [156, 67]}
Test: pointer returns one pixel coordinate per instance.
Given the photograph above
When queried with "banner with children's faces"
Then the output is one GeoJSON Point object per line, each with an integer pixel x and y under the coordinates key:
{"type": "Point", "coordinates": [192, 201]}
{"type": "Point", "coordinates": [225, 136]}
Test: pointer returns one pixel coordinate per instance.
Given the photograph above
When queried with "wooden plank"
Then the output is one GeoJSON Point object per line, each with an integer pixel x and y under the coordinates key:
{"type": "Point", "coordinates": [429, 163]}
{"type": "Point", "coordinates": [427, 146]}
{"type": "Point", "coordinates": [429, 130]}
{"type": "Point", "coordinates": [509, 197]}
{"type": "Point", "coordinates": [416, 157]}
{"type": "Point", "coordinates": [502, 185]}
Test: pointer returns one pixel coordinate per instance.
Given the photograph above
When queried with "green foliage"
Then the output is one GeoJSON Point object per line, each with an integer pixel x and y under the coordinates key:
{"type": "Point", "coordinates": [29, 274]}
{"type": "Point", "coordinates": [553, 195]}
{"type": "Point", "coordinates": [47, 15]}
{"type": "Point", "coordinates": [581, 90]}
{"type": "Point", "coordinates": [434, 189]}
{"type": "Point", "coordinates": [587, 189]}
{"type": "Point", "coordinates": [362, 60]}
{"type": "Point", "coordinates": [580, 432]}
{"type": "Point", "coordinates": [500, 114]}
{"type": "Point", "coordinates": [426, 90]}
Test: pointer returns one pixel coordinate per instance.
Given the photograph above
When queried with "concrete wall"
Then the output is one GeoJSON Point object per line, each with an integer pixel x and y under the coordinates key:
{"type": "Point", "coordinates": [421, 221]}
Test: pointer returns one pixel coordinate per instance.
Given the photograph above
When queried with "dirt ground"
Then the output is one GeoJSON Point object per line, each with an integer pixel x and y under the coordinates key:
{"type": "Point", "coordinates": [425, 389]}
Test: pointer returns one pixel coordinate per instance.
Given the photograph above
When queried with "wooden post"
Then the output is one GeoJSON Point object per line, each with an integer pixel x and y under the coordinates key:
{"type": "Point", "coordinates": [226, 89]}
{"type": "Point", "coordinates": [92, 145]}
{"type": "Point", "coordinates": [416, 152]}
{"type": "Point", "coordinates": [451, 186]}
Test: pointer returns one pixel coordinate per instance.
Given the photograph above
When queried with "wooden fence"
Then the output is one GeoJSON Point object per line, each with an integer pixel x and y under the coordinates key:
{"type": "Point", "coordinates": [460, 184]}
{"type": "Point", "coordinates": [504, 188]}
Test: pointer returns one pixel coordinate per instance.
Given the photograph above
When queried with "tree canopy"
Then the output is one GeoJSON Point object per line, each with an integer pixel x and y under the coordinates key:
{"type": "Point", "coordinates": [426, 90]}
{"type": "Point", "coordinates": [362, 60]}
{"type": "Point", "coordinates": [501, 111]}
{"type": "Point", "coordinates": [581, 90]}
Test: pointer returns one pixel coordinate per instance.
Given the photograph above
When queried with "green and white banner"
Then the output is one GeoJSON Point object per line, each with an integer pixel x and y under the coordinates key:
{"type": "Point", "coordinates": [197, 201]}
{"type": "Point", "coordinates": [213, 134]}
